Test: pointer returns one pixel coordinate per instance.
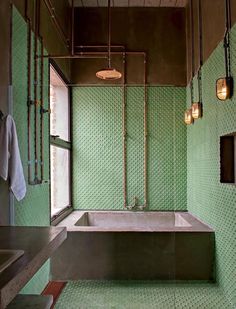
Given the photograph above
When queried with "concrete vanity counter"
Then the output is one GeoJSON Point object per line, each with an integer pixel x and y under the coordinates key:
{"type": "Point", "coordinates": [38, 244]}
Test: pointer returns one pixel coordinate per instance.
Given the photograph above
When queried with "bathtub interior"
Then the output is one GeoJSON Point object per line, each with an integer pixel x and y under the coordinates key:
{"type": "Point", "coordinates": [136, 219]}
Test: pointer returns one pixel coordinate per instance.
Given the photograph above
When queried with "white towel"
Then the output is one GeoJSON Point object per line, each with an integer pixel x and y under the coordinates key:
{"type": "Point", "coordinates": [10, 161]}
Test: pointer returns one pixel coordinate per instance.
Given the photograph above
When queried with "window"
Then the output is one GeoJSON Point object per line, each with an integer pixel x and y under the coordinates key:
{"type": "Point", "coordinates": [60, 145]}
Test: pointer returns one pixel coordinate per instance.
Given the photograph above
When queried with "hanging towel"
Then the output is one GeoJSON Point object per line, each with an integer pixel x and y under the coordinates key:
{"type": "Point", "coordinates": [10, 161]}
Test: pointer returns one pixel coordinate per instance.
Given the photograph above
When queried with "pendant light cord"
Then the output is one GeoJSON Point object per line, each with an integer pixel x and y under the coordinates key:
{"type": "Point", "coordinates": [227, 37]}
{"type": "Point", "coordinates": [199, 74]}
{"type": "Point", "coordinates": [193, 56]}
{"type": "Point", "coordinates": [109, 34]}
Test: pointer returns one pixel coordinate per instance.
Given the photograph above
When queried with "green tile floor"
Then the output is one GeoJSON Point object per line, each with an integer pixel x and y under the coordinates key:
{"type": "Point", "coordinates": [140, 295]}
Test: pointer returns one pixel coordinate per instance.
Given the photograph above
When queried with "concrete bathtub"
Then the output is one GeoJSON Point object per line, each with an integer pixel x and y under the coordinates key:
{"type": "Point", "coordinates": [134, 246]}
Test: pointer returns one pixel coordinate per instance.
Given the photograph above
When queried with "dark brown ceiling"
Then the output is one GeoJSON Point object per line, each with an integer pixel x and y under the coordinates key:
{"type": "Point", "coordinates": [160, 32]}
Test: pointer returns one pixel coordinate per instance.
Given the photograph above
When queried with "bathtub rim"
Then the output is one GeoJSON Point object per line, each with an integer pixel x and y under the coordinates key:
{"type": "Point", "coordinates": [197, 224]}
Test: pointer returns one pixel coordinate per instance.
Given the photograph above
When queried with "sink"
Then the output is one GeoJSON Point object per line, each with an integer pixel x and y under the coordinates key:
{"type": "Point", "coordinates": [7, 257]}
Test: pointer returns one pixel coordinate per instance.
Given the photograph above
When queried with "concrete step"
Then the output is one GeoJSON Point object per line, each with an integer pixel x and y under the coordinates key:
{"type": "Point", "coordinates": [31, 302]}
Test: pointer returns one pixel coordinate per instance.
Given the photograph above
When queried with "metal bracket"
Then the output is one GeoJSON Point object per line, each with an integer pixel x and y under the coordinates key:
{"type": "Point", "coordinates": [30, 102]}
{"type": "Point", "coordinates": [44, 111]}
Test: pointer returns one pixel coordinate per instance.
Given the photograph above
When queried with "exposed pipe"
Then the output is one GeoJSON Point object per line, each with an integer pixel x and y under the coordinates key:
{"type": "Point", "coordinates": [42, 113]}
{"type": "Point", "coordinates": [145, 131]}
{"type": "Point", "coordinates": [99, 46]}
{"type": "Point", "coordinates": [109, 34]}
{"type": "Point", "coordinates": [199, 73]}
{"type": "Point", "coordinates": [125, 136]}
{"type": "Point", "coordinates": [124, 132]}
{"type": "Point", "coordinates": [29, 101]}
{"type": "Point", "coordinates": [36, 101]}
{"type": "Point", "coordinates": [82, 56]}
{"type": "Point", "coordinates": [72, 28]}
{"type": "Point", "coordinates": [91, 55]}
{"type": "Point", "coordinates": [55, 22]}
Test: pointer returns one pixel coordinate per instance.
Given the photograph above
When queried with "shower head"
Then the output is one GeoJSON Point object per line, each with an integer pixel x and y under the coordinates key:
{"type": "Point", "coordinates": [108, 74]}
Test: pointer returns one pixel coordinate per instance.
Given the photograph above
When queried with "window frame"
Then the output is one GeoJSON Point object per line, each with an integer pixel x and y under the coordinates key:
{"type": "Point", "coordinates": [60, 143]}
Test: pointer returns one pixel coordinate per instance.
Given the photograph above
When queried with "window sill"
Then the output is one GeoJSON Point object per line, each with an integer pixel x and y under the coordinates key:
{"type": "Point", "coordinates": [61, 215]}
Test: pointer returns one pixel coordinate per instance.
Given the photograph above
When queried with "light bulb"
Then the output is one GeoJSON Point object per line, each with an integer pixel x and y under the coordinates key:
{"type": "Point", "coordinates": [224, 88]}
{"type": "Point", "coordinates": [197, 110]}
{"type": "Point", "coordinates": [188, 118]}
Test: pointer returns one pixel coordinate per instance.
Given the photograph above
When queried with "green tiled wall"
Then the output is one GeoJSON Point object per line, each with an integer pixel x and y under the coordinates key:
{"type": "Point", "coordinates": [213, 202]}
{"type": "Point", "coordinates": [97, 147]}
{"type": "Point", "coordinates": [33, 210]}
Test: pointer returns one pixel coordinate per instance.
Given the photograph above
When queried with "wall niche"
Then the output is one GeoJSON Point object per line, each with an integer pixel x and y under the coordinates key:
{"type": "Point", "coordinates": [228, 158]}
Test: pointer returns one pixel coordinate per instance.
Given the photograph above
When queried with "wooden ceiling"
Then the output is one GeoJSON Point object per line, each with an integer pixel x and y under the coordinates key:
{"type": "Point", "coordinates": [131, 3]}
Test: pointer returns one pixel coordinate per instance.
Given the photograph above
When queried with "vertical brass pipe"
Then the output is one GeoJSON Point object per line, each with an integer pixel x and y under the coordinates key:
{"type": "Point", "coordinates": [29, 102]}
{"type": "Point", "coordinates": [124, 132]}
{"type": "Point", "coordinates": [36, 29]}
{"type": "Point", "coordinates": [42, 112]}
{"type": "Point", "coordinates": [145, 131]}
{"type": "Point", "coordinates": [109, 33]}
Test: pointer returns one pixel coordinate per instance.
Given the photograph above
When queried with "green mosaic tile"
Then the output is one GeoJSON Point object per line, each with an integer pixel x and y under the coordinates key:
{"type": "Point", "coordinates": [211, 201]}
{"type": "Point", "coordinates": [97, 148]}
{"type": "Point", "coordinates": [116, 295]}
{"type": "Point", "coordinates": [33, 210]}
{"type": "Point", "coordinates": [95, 159]}
{"type": "Point", "coordinates": [166, 149]}
{"type": "Point", "coordinates": [38, 282]}
{"type": "Point", "coordinates": [140, 295]}
{"type": "Point", "coordinates": [135, 144]}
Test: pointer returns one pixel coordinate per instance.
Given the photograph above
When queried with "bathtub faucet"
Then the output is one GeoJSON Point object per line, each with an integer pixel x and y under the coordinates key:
{"type": "Point", "coordinates": [135, 205]}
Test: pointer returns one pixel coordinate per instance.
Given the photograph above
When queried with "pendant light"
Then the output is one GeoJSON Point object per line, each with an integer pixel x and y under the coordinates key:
{"type": "Point", "coordinates": [109, 73]}
{"type": "Point", "coordinates": [197, 106]}
{"type": "Point", "coordinates": [188, 119]}
{"type": "Point", "coordinates": [224, 85]}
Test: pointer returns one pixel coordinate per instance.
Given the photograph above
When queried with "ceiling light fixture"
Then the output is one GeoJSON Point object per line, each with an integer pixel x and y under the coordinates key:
{"type": "Point", "coordinates": [109, 73]}
{"type": "Point", "coordinates": [224, 85]}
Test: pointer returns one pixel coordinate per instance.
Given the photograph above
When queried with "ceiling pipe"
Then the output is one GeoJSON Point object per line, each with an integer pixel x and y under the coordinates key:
{"type": "Point", "coordinates": [84, 56]}
{"type": "Point", "coordinates": [92, 55]}
{"type": "Point", "coordinates": [99, 46]}
{"type": "Point", "coordinates": [55, 22]}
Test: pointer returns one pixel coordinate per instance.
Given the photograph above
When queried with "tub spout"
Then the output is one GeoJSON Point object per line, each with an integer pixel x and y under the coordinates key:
{"type": "Point", "coordinates": [135, 201]}
{"type": "Point", "coordinates": [141, 207]}
{"type": "Point", "coordinates": [135, 205]}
